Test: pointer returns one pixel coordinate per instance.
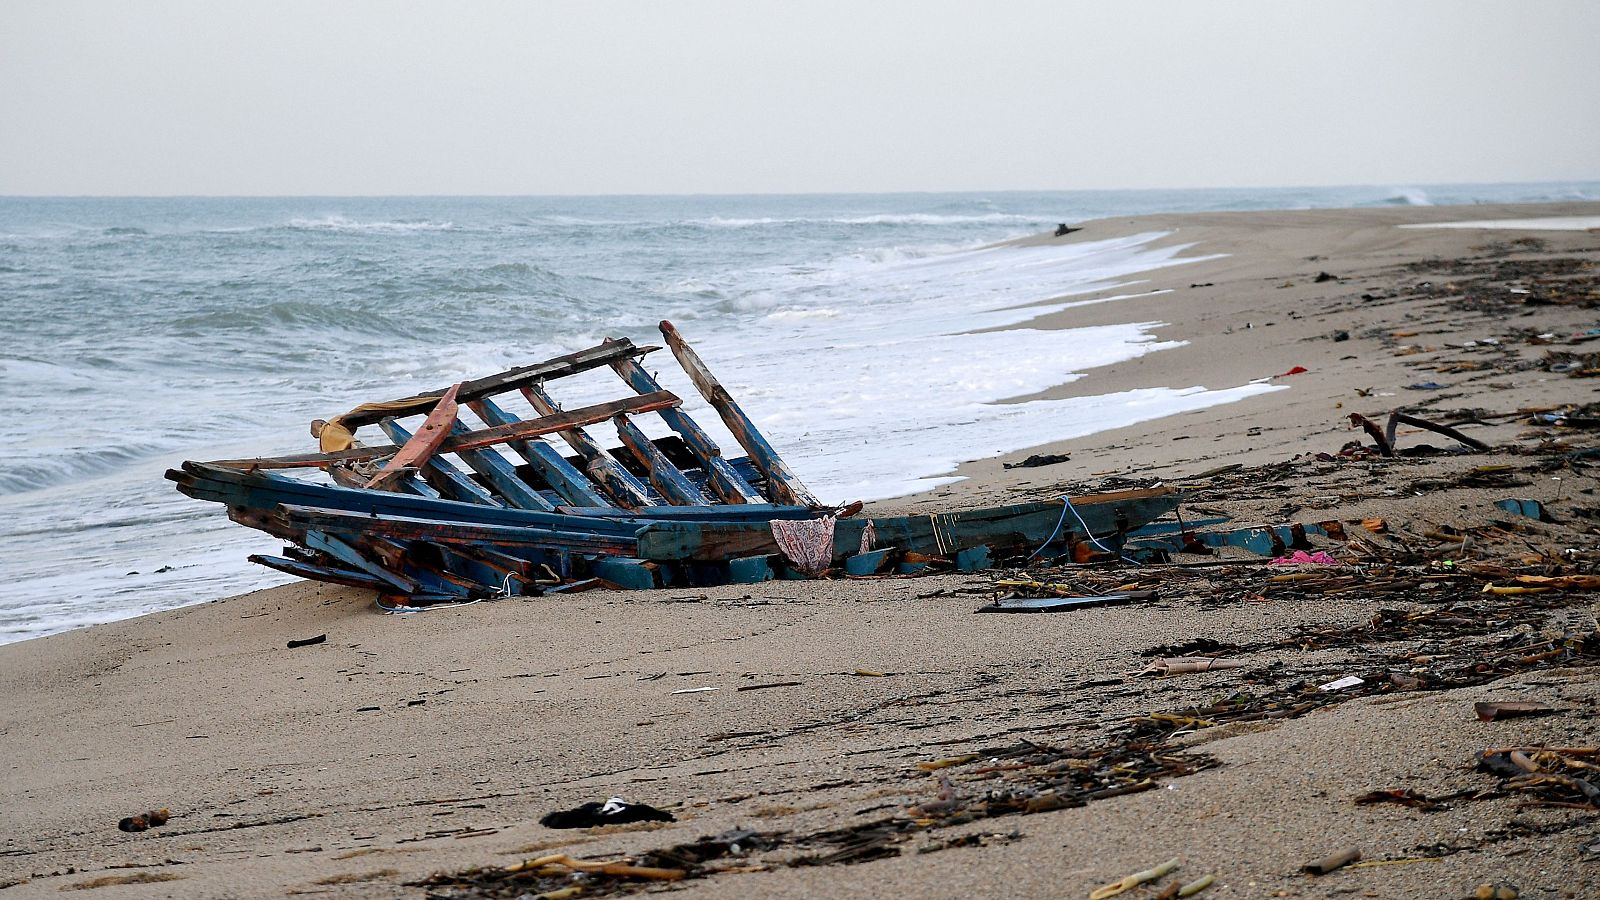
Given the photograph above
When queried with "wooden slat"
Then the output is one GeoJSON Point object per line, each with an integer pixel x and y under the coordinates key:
{"type": "Point", "coordinates": [668, 480]}
{"type": "Point", "coordinates": [422, 444]}
{"type": "Point", "coordinates": [727, 484]}
{"type": "Point", "coordinates": [442, 473]}
{"type": "Point", "coordinates": [562, 477]}
{"type": "Point", "coordinates": [266, 490]}
{"type": "Point", "coordinates": [406, 528]}
{"type": "Point", "coordinates": [782, 485]}
{"type": "Point", "coordinates": [475, 440]}
{"type": "Point", "coordinates": [511, 379]}
{"type": "Point", "coordinates": [625, 490]}
{"type": "Point", "coordinates": [502, 476]}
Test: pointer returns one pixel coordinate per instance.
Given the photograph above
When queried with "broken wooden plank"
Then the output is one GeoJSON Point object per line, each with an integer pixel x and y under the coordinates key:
{"type": "Point", "coordinates": [626, 491]}
{"type": "Point", "coordinates": [502, 476]}
{"type": "Point", "coordinates": [474, 440]}
{"type": "Point", "coordinates": [721, 477]}
{"type": "Point", "coordinates": [668, 479]}
{"type": "Point", "coordinates": [565, 480]}
{"type": "Point", "coordinates": [511, 379]}
{"type": "Point", "coordinates": [443, 474]}
{"type": "Point", "coordinates": [421, 446]}
{"type": "Point", "coordinates": [405, 528]}
{"type": "Point", "coordinates": [782, 485]}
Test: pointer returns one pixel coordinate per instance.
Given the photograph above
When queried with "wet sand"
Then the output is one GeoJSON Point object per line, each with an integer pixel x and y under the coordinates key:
{"type": "Point", "coordinates": [407, 746]}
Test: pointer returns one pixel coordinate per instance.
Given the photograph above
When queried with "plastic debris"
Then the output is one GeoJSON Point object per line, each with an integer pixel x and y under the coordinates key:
{"type": "Point", "coordinates": [1134, 880]}
{"type": "Point", "coordinates": [615, 811]}
{"type": "Point", "coordinates": [1330, 863]}
{"type": "Point", "coordinates": [1189, 664]}
{"type": "Point", "coordinates": [1489, 712]}
{"type": "Point", "coordinates": [144, 821]}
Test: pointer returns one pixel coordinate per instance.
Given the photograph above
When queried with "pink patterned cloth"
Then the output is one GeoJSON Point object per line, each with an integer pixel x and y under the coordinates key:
{"type": "Point", "coordinates": [808, 543]}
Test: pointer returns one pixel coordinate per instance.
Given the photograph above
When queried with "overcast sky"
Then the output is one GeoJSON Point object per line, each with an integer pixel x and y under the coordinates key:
{"type": "Point", "coordinates": [730, 97]}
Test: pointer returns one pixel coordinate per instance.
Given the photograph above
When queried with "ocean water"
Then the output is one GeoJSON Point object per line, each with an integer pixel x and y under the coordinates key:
{"type": "Point", "coordinates": [142, 332]}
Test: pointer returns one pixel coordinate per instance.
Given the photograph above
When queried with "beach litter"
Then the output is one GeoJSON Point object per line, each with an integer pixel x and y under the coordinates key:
{"type": "Point", "coordinates": [145, 821]}
{"type": "Point", "coordinates": [1331, 862]}
{"type": "Point", "coordinates": [1490, 712]}
{"type": "Point", "coordinates": [615, 811]}
{"type": "Point", "coordinates": [307, 642]}
{"type": "Point", "coordinates": [429, 513]}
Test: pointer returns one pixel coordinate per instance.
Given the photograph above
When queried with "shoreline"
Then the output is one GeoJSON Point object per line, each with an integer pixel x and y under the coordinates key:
{"type": "Point", "coordinates": [405, 746]}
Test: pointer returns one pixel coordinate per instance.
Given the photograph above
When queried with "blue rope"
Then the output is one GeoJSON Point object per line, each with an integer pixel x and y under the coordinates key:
{"type": "Point", "coordinates": [1059, 522]}
{"type": "Point", "coordinates": [1066, 504]}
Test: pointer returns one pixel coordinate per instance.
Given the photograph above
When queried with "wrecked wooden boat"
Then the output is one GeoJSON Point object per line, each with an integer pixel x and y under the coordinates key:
{"type": "Point", "coordinates": [437, 512]}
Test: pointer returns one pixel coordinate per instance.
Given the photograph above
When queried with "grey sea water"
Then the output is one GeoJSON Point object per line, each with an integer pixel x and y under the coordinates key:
{"type": "Point", "coordinates": [141, 332]}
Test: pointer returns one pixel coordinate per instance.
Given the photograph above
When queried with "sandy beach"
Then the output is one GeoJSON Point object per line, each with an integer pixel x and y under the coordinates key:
{"type": "Point", "coordinates": [871, 727]}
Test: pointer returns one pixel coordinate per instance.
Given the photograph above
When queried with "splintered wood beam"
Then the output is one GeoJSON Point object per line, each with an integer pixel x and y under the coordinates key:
{"type": "Point", "coordinates": [562, 477]}
{"type": "Point", "coordinates": [420, 447]}
{"type": "Point", "coordinates": [724, 481]}
{"type": "Point", "coordinates": [782, 485]}
{"type": "Point", "coordinates": [499, 383]}
{"type": "Point", "coordinates": [473, 440]}
{"type": "Point", "coordinates": [443, 474]}
{"type": "Point", "coordinates": [502, 476]}
{"type": "Point", "coordinates": [668, 480]}
{"type": "Point", "coordinates": [627, 491]}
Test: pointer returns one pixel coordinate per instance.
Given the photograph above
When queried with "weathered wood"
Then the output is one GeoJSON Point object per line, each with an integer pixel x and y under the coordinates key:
{"type": "Point", "coordinates": [782, 485]}
{"type": "Point", "coordinates": [625, 490]}
{"type": "Point", "coordinates": [511, 379]}
{"type": "Point", "coordinates": [561, 476]}
{"type": "Point", "coordinates": [403, 528]}
{"type": "Point", "coordinates": [474, 440]}
{"type": "Point", "coordinates": [724, 481]}
{"type": "Point", "coordinates": [421, 446]}
{"type": "Point", "coordinates": [314, 572]}
{"type": "Point", "coordinates": [668, 479]}
{"type": "Point", "coordinates": [502, 476]}
{"type": "Point", "coordinates": [350, 556]}
{"type": "Point", "coordinates": [442, 473]}
{"type": "Point", "coordinates": [1005, 529]}
{"type": "Point", "coordinates": [266, 490]}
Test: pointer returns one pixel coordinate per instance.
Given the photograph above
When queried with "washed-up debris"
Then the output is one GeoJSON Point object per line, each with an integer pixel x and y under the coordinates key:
{"type": "Point", "coordinates": [1522, 506]}
{"type": "Point", "coordinates": [1339, 684]}
{"type": "Point", "coordinates": [615, 811]}
{"type": "Point", "coordinates": [308, 641]}
{"type": "Point", "coordinates": [1384, 438]}
{"type": "Point", "coordinates": [1058, 604]}
{"type": "Point", "coordinates": [1189, 665]}
{"type": "Point", "coordinates": [1018, 779]}
{"type": "Point", "coordinates": [1330, 863]}
{"type": "Point", "coordinates": [1491, 891]}
{"type": "Point", "coordinates": [431, 512]}
{"type": "Point", "coordinates": [1196, 886]}
{"type": "Point", "coordinates": [1489, 712]}
{"type": "Point", "coordinates": [1132, 881]}
{"type": "Point", "coordinates": [1406, 797]}
{"type": "Point", "coordinates": [1302, 558]}
{"type": "Point", "coordinates": [1040, 459]}
{"type": "Point", "coordinates": [145, 821]}
{"type": "Point", "coordinates": [1553, 776]}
